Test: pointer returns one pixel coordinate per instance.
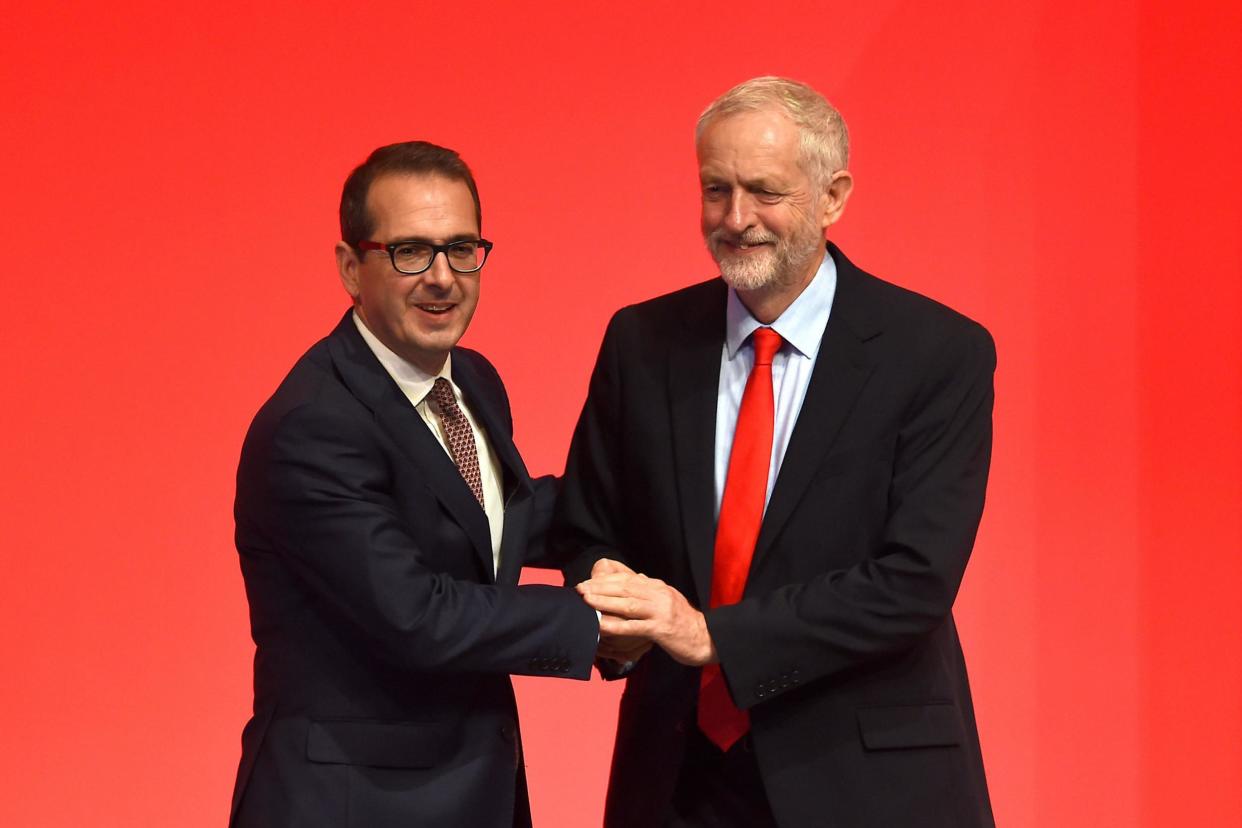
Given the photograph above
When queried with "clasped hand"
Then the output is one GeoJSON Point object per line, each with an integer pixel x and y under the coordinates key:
{"type": "Point", "coordinates": [638, 611]}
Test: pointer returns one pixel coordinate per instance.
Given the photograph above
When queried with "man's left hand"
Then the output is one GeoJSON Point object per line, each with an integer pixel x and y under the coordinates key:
{"type": "Point", "coordinates": [635, 605]}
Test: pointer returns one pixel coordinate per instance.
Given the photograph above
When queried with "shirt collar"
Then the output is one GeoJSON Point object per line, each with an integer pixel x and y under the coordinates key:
{"type": "Point", "coordinates": [413, 381]}
{"type": "Point", "coordinates": [801, 325]}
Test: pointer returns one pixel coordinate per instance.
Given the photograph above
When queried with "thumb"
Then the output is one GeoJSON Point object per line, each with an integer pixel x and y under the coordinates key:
{"type": "Point", "coordinates": [607, 566]}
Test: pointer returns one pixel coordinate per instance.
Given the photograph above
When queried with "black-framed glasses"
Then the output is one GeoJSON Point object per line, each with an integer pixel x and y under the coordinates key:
{"type": "Point", "coordinates": [413, 257]}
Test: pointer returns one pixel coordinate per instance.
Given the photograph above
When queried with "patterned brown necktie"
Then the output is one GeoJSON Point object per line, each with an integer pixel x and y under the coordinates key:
{"type": "Point", "coordinates": [460, 436]}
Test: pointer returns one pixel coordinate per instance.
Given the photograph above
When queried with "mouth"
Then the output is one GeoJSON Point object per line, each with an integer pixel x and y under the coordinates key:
{"type": "Point", "coordinates": [434, 308]}
{"type": "Point", "coordinates": [740, 244]}
{"type": "Point", "coordinates": [746, 248]}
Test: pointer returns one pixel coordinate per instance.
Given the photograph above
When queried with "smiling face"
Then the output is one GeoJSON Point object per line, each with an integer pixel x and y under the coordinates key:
{"type": "Point", "coordinates": [763, 217]}
{"type": "Point", "coordinates": [419, 317]}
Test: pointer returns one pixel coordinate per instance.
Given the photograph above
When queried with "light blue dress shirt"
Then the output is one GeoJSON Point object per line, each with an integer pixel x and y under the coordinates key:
{"type": "Point", "coordinates": [802, 327]}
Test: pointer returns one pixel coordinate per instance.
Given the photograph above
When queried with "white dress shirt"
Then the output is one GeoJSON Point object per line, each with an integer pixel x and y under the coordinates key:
{"type": "Point", "coordinates": [802, 327]}
{"type": "Point", "coordinates": [416, 384]}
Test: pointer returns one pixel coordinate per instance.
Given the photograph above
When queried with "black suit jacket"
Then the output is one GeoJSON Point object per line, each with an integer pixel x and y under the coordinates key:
{"type": "Point", "coordinates": [384, 642]}
{"type": "Point", "coordinates": [843, 648]}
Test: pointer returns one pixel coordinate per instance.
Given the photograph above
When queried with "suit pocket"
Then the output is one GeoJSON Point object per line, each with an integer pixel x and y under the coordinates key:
{"type": "Point", "coordinates": [910, 726]}
{"type": "Point", "coordinates": [376, 744]}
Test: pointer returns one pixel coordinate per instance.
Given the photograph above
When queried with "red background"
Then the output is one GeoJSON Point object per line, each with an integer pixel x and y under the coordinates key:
{"type": "Point", "coordinates": [1066, 172]}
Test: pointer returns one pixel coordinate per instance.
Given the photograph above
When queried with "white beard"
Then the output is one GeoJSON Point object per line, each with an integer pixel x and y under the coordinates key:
{"type": "Point", "coordinates": [749, 272]}
{"type": "Point", "coordinates": [778, 264]}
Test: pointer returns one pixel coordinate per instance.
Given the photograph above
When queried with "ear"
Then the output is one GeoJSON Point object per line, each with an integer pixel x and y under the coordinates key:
{"type": "Point", "coordinates": [835, 195]}
{"type": "Point", "coordinates": [347, 264]}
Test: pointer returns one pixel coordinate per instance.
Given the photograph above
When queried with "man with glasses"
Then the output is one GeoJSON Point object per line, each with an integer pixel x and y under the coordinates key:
{"type": "Point", "coordinates": [383, 515]}
{"type": "Point", "coordinates": [795, 456]}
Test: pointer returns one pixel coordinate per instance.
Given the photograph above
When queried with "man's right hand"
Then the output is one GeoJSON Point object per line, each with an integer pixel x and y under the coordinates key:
{"type": "Point", "coordinates": [619, 648]}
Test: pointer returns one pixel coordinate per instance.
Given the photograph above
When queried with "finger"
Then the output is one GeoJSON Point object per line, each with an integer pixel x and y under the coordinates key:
{"type": "Point", "coordinates": [614, 589]}
{"type": "Point", "coordinates": [627, 647]}
{"type": "Point", "coordinates": [606, 566]}
{"type": "Point", "coordinates": [616, 579]}
{"type": "Point", "coordinates": [622, 627]}
{"type": "Point", "coordinates": [621, 584]}
{"type": "Point", "coordinates": [622, 655]}
{"type": "Point", "coordinates": [623, 643]}
{"type": "Point", "coordinates": [599, 587]}
{"type": "Point", "coordinates": [621, 606]}
{"type": "Point", "coordinates": [611, 566]}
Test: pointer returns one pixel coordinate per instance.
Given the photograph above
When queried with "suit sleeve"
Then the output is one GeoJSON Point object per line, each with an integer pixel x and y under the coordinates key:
{"type": "Point", "coordinates": [801, 632]}
{"type": "Point", "coordinates": [539, 553]}
{"type": "Point", "coordinates": [545, 488]}
{"type": "Point", "coordinates": [586, 525]}
{"type": "Point", "coordinates": [332, 519]}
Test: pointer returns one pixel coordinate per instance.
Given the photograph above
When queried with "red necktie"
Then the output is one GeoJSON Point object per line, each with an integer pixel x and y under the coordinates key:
{"type": "Point", "coordinates": [741, 514]}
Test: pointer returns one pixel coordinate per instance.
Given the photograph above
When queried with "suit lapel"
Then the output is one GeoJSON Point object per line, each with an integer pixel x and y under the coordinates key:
{"type": "Point", "coordinates": [369, 382]}
{"type": "Point", "coordinates": [694, 378]}
{"type": "Point", "coordinates": [514, 482]}
{"type": "Point", "coordinates": [514, 471]}
{"type": "Point", "coordinates": [841, 371]}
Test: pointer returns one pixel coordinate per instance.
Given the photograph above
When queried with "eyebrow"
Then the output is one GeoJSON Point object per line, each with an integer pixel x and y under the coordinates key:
{"type": "Point", "coordinates": [460, 237]}
{"type": "Point", "coordinates": [760, 183]}
{"type": "Point", "coordinates": [710, 173]}
{"type": "Point", "coordinates": [765, 184]}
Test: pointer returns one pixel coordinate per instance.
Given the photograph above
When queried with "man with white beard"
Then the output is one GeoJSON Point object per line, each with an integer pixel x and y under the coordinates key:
{"type": "Point", "coordinates": [776, 479]}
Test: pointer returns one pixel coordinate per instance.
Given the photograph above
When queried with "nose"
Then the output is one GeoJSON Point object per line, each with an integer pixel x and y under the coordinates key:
{"type": "Point", "coordinates": [439, 274]}
{"type": "Point", "coordinates": [740, 212]}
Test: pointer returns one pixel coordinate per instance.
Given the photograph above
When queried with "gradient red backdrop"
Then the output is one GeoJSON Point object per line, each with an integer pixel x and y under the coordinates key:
{"type": "Point", "coordinates": [1065, 172]}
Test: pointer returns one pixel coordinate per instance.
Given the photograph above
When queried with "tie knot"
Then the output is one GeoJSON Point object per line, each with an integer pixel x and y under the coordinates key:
{"type": "Point", "coordinates": [442, 393]}
{"type": "Point", "coordinates": [767, 342]}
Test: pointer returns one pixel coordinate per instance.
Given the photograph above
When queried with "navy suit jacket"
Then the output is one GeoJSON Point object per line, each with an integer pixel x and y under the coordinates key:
{"type": "Point", "coordinates": [843, 648]}
{"type": "Point", "coordinates": [384, 642]}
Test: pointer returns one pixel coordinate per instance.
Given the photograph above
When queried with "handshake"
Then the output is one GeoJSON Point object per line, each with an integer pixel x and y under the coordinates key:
{"type": "Point", "coordinates": [638, 612]}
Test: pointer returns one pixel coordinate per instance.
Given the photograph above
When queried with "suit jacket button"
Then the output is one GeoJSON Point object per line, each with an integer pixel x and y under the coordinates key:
{"type": "Point", "coordinates": [508, 731]}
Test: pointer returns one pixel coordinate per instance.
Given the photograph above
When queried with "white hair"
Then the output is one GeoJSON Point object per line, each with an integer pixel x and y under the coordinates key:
{"type": "Point", "coordinates": [824, 141]}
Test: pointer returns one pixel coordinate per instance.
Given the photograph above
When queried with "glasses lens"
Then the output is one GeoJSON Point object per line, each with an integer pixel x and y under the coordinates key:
{"type": "Point", "coordinates": [411, 257]}
{"type": "Point", "coordinates": [466, 256]}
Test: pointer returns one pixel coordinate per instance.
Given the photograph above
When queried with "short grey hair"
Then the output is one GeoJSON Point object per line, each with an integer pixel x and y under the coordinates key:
{"type": "Point", "coordinates": [824, 140]}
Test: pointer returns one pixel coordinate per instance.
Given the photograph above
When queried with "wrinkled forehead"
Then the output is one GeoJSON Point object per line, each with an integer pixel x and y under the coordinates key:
{"type": "Point", "coordinates": [750, 141]}
{"type": "Point", "coordinates": [770, 115]}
